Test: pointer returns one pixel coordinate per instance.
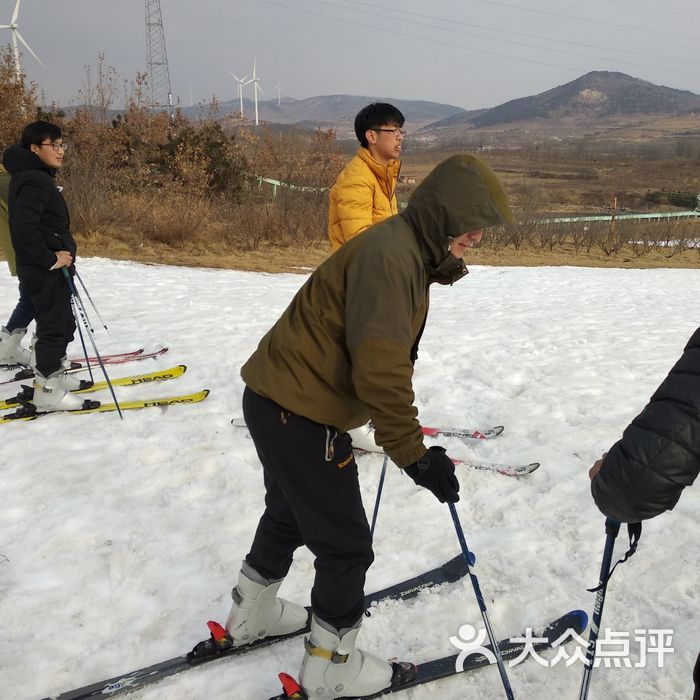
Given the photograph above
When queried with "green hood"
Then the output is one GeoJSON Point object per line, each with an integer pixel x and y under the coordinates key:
{"type": "Point", "coordinates": [460, 195]}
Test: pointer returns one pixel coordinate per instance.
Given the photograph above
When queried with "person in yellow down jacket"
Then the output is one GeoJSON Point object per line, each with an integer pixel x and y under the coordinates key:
{"type": "Point", "coordinates": [364, 193]}
{"type": "Point", "coordinates": [342, 353]}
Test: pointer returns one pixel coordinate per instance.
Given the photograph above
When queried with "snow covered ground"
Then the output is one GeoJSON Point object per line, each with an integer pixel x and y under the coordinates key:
{"type": "Point", "coordinates": [118, 540]}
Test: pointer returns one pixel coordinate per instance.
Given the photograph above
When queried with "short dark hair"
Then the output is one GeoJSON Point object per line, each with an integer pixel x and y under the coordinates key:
{"type": "Point", "coordinates": [36, 132]}
{"type": "Point", "coordinates": [375, 115]}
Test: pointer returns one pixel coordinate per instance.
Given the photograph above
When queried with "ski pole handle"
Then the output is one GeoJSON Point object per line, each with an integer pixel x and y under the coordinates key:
{"type": "Point", "coordinates": [612, 528]}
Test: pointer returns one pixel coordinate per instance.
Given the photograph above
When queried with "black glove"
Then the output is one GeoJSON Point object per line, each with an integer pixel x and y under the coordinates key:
{"type": "Point", "coordinates": [435, 471]}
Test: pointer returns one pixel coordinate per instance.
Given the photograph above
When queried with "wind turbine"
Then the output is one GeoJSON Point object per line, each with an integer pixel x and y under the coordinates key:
{"type": "Point", "coordinates": [240, 82]}
{"type": "Point", "coordinates": [12, 26]}
{"type": "Point", "coordinates": [256, 86]}
{"type": "Point", "coordinates": [279, 93]}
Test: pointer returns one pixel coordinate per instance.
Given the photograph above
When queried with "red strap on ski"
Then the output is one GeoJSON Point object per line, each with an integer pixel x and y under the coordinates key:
{"type": "Point", "coordinates": [217, 630]}
{"type": "Point", "coordinates": [291, 688]}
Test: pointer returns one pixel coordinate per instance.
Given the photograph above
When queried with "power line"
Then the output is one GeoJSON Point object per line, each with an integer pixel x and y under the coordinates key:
{"type": "Point", "coordinates": [586, 19]}
{"type": "Point", "coordinates": [374, 6]}
{"type": "Point", "coordinates": [384, 30]}
{"type": "Point", "coordinates": [664, 10]}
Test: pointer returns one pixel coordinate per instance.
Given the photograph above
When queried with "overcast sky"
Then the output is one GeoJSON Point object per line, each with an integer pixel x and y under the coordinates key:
{"type": "Point", "coordinates": [471, 53]}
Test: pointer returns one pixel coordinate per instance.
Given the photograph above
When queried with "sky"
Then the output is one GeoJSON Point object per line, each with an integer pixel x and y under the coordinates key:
{"type": "Point", "coordinates": [469, 53]}
{"type": "Point", "coordinates": [120, 539]}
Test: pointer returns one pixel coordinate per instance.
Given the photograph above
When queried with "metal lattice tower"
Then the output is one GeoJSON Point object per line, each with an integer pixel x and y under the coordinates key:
{"type": "Point", "coordinates": [156, 58]}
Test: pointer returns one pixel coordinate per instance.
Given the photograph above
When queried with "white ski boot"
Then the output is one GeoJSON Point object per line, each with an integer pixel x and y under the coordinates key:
{"type": "Point", "coordinates": [257, 612]}
{"type": "Point", "coordinates": [334, 667]}
{"type": "Point", "coordinates": [363, 438]}
{"type": "Point", "coordinates": [11, 352]}
{"type": "Point", "coordinates": [52, 393]}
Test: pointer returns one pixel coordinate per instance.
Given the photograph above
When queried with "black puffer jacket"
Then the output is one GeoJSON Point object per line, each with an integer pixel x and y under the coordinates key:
{"type": "Point", "coordinates": [659, 453]}
{"type": "Point", "coordinates": [39, 221]}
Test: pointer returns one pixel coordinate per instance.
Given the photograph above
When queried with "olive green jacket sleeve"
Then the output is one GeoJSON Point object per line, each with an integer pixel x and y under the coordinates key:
{"type": "Point", "coordinates": [5, 240]}
{"type": "Point", "coordinates": [381, 326]}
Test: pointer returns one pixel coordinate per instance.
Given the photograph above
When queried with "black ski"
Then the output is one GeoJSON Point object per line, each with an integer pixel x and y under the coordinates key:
{"type": "Point", "coordinates": [429, 671]}
{"type": "Point", "coordinates": [209, 650]}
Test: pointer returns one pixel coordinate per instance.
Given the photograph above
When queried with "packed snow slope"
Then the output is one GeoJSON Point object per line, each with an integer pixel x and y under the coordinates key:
{"type": "Point", "coordinates": [119, 539]}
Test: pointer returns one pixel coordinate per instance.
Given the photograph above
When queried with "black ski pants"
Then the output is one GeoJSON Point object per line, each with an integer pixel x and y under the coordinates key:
{"type": "Point", "coordinates": [312, 498]}
{"type": "Point", "coordinates": [23, 314]}
{"type": "Point", "coordinates": [49, 294]}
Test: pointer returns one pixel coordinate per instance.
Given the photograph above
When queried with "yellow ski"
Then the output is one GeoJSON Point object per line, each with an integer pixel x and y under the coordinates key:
{"type": "Point", "coordinates": [132, 380]}
{"type": "Point", "coordinates": [196, 397]}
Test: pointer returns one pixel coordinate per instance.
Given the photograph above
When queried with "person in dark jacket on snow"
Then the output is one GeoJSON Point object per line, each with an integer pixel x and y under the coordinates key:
{"type": "Point", "coordinates": [645, 472]}
{"type": "Point", "coordinates": [342, 354]}
{"type": "Point", "coordinates": [43, 245]}
{"type": "Point", "coordinates": [11, 334]}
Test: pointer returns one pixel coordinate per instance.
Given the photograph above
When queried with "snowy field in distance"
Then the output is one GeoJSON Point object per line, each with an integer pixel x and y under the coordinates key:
{"type": "Point", "coordinates": [118, 540]}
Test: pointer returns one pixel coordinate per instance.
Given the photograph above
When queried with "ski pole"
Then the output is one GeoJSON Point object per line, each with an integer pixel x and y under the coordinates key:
{"type": "Point", "coordinates": [612, 527]}
{"type": "Point", "coordinates": [92, 303]}
{"type": "Point", "coordinates": [480, 600]}
{"type": "Point", "coordinates": [84, 316]}
{"type": "Point", "coordinates": [379, 495]}
{"type": "Point", "coordinates": [80, 333]}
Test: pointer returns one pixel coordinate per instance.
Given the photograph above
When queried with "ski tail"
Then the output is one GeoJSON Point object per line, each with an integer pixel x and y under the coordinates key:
{"type": "Point", "coordinates": [118, 685]}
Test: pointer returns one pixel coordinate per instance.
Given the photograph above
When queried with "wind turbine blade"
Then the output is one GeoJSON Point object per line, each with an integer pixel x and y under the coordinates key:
{"type": "Point", "coordinates": [234, 75]}
{"type": "Point", "coordinates": [4, 26]}
{"type": "Point", "coordinates": [15, 13]}
{"type": "Point", "coordinates": [29, 48]}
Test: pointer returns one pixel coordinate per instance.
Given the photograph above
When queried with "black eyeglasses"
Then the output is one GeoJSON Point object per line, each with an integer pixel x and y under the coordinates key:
{"type": "Point", "coordinates": [396, 131]}
{"type": "Point", "coordinates": [58, 147]}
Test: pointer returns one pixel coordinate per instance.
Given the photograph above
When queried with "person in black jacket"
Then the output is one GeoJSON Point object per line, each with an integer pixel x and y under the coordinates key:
{"type": "Point", "coordinates": [43, 244]}
{"type": "Point", "coordinates": [645, 472]}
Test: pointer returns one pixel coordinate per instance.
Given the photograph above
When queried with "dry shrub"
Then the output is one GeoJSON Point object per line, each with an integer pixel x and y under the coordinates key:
{"type": "Point", "coordinates": [17, 100]}
{"type": "Point", "coordinates": [171, 215]}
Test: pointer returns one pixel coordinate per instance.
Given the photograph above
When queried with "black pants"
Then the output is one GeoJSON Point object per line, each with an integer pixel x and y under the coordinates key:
{"type": "Point", "coordinates": [50, 296]}
{"type": "Point", "coordinates": [23, 314]}
{"type": "Point", "coordinates": [312, 498]}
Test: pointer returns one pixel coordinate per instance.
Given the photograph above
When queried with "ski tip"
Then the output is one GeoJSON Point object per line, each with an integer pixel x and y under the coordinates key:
{"type": "Point", "coordinates": [581, 617]}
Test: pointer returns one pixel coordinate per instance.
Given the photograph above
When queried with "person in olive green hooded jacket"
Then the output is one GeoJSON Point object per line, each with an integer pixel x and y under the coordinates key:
{"type": "Point", "coordinates": [341, 354]}
{"type": "Point", "coordinates": [11, 334]}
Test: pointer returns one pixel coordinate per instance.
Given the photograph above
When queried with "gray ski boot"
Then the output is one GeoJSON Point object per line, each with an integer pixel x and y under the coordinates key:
{"type": "Point", "coordinates": [257, 612]}
{"type": "Point", "coordinates": [334, 667]}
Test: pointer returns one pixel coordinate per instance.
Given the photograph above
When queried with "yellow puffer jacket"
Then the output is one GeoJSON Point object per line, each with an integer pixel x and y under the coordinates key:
{"type": "Point", "coordinates": [362, 195]}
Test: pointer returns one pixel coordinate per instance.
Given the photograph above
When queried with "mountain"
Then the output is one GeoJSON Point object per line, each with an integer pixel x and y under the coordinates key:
{"type": "Point", "coordinates": [332, 110]}
{"type": "Point", "coordinates": [596, 95]}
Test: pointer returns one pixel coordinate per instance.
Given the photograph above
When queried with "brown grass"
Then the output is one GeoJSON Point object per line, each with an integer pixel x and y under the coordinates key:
{"type": "Point", "coordinates": [272, 258]}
